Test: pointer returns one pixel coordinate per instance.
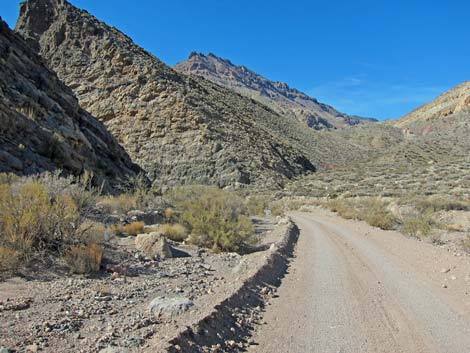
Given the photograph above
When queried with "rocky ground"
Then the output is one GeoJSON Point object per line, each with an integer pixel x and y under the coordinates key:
{"type": "Point", "coordinates": [135, 304]}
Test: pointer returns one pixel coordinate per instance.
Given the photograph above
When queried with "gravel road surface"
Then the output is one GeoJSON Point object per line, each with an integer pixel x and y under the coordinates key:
{"type": "Point", "coordinates": [355, 289]}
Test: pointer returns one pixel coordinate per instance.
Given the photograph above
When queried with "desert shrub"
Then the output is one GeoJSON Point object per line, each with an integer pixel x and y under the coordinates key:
{"type": "Point", "coordinates": [92, 232]}
{"type": "Point", "coordinates": [257, 204]}
{"type": "Point", "coordinates": [175, 232]}
{"type": "Point", "coordinates": [169, 214]}
{"type": "Point", "coordinates": [122, 203]}
{"type": "Point", "coordinates": [117, 229]}
{"type": "Point", "coordinates": [371, 210]}
{"type": "Point", "coordinates": [215, 218]}
{"type": "Point", "coordinates": [343, 207]}
{"type": "Point", "coordinates": [417, 226]}
{"type": "Point", "coordinates": [134, 228]}
{"type": "Point", "coordinates": [8, 258]}
{"type": "Point", "coordinates": [277, 208]}
{"type": "Point", "coordinates": [436, 203]}
{"type": "Point", "coordinates": [375, 213]}
{"type": "Point", "coordinates": [8, 178]}
{"type": "Point", "coordinates": [82, 259]}
{"type": "Point", "coordinates": [42, 213]}
{"type": "Point", "coordinates": [30, 219]}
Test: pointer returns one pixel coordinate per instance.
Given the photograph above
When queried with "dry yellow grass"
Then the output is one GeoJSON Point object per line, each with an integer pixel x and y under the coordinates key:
{"type": "Point", "coordinates": [175, 232]}
{"type": "Point", "coordinates": [83, 259]}
{"type": "Point", "coordinates": [8, 258]}
{"type": "Point", "coordinates": [134, 228]}
{"type": "Point", "coordinates": [169, 214]}
{"type": "Point", "coordinates": [118, 204]}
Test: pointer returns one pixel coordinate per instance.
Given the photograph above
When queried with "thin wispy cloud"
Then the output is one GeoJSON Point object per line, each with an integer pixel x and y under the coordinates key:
{"type": "Point", "coordinates": [361, 96]}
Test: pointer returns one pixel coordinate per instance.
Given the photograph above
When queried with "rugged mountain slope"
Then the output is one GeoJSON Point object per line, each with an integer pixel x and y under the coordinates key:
{"type": "Point", "coordinates": [426, 152]}
{"type": "Point", "coordinates": [178, 128]}
{"type": "Point", "coordinates": [277, 95]}
{"type": "Point", "coordinates": [441, 111]}
{"type": "Point", "coordinates": [42, 126]}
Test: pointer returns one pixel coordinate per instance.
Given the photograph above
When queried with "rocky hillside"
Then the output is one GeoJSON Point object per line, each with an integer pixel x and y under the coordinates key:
{"type": "Point", "coordinates": [442, 110]}
{"type": "Point", "coordinates": [180, 129]}
{"type": "Point", "coordinates": [425, 152]}
{"type": "Point", "coordinates": [43, 127]}
{"type": "Point", "coordinates": [276, 95]}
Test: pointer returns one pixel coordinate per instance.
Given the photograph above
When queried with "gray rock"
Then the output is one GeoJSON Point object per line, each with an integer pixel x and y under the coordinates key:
{"type": "Point", "coordinates": [151, 217]}
{"type": "Point", "coordinates": [133, 342]}
{"type": "Point", "coordinates": [154, 245]}
{"type": "Point", "coordinates": [163, 306]}
{"type": "Point", "coordinates": [43, 125]}
{"type": "Point", "coordinates": [113, 349]}
{"type": "Point", "coordinates": [5, 350]}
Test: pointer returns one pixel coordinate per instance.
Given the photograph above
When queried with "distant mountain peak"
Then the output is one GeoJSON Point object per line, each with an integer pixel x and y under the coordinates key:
{"type": "Point", "coordinates": [278, 95]}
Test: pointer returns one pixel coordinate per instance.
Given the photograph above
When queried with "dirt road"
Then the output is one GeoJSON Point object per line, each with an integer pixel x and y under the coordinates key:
{"type": "Point", "coordinates": [357, 289]}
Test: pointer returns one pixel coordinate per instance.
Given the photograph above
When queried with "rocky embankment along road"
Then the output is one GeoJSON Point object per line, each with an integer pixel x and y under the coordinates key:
{"type": "Point", "coordinates": [144, 305]}
{"type": "Point", "coordinates": [353, 288]}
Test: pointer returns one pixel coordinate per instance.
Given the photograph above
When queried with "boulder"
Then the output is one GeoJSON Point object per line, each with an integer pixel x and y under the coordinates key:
{"type": "Point", "coordinates": [169, 307]}
{"type": "Point", "coordinates": [154, 245]}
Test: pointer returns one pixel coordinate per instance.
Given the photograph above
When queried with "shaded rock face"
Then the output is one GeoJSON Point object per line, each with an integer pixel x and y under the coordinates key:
{"type": "Point", "coordinates": [180, 129]}
{"type": "Point", "coordinates": [42, 125]}
{"type": "Point", "coordinates": [277, 95]}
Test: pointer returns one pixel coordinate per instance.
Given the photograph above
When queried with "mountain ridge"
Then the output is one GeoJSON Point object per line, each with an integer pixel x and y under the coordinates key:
{"type": "Point", "coordinates": [449, 103]}
{"type": "Point", "coordinates": [178, 128]}
{"type": "Point", "coordinates": [275, 94]}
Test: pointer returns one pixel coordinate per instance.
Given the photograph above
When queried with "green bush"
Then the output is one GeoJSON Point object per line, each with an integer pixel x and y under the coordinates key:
{"type": "Point", "coordinates": [216, 218]}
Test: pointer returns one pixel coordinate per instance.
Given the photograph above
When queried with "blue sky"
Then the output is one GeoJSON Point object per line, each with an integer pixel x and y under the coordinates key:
{"type": "Point", "coordinates": [377, 58]}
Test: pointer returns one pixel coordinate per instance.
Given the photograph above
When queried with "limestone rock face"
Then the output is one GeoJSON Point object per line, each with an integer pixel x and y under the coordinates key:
{"type": "Point", "coordinates": [277, 95]}
{"type": "Point", "coordinates": [180, 129]}
{"type": "Point", "coordinates": [42, 125]}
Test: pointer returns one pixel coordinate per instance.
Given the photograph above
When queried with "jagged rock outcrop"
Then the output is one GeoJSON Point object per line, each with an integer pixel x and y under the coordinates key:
{"type": "Point", "coordinates": [277, 95]}
{"type": "Point", "coordinates": [180, 129]}
{"type": "Point", "coordinates": [42, 125]}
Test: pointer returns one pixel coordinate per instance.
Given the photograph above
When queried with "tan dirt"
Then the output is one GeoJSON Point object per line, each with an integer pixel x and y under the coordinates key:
{"type": "Point", "coordinates": [357, 289]}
